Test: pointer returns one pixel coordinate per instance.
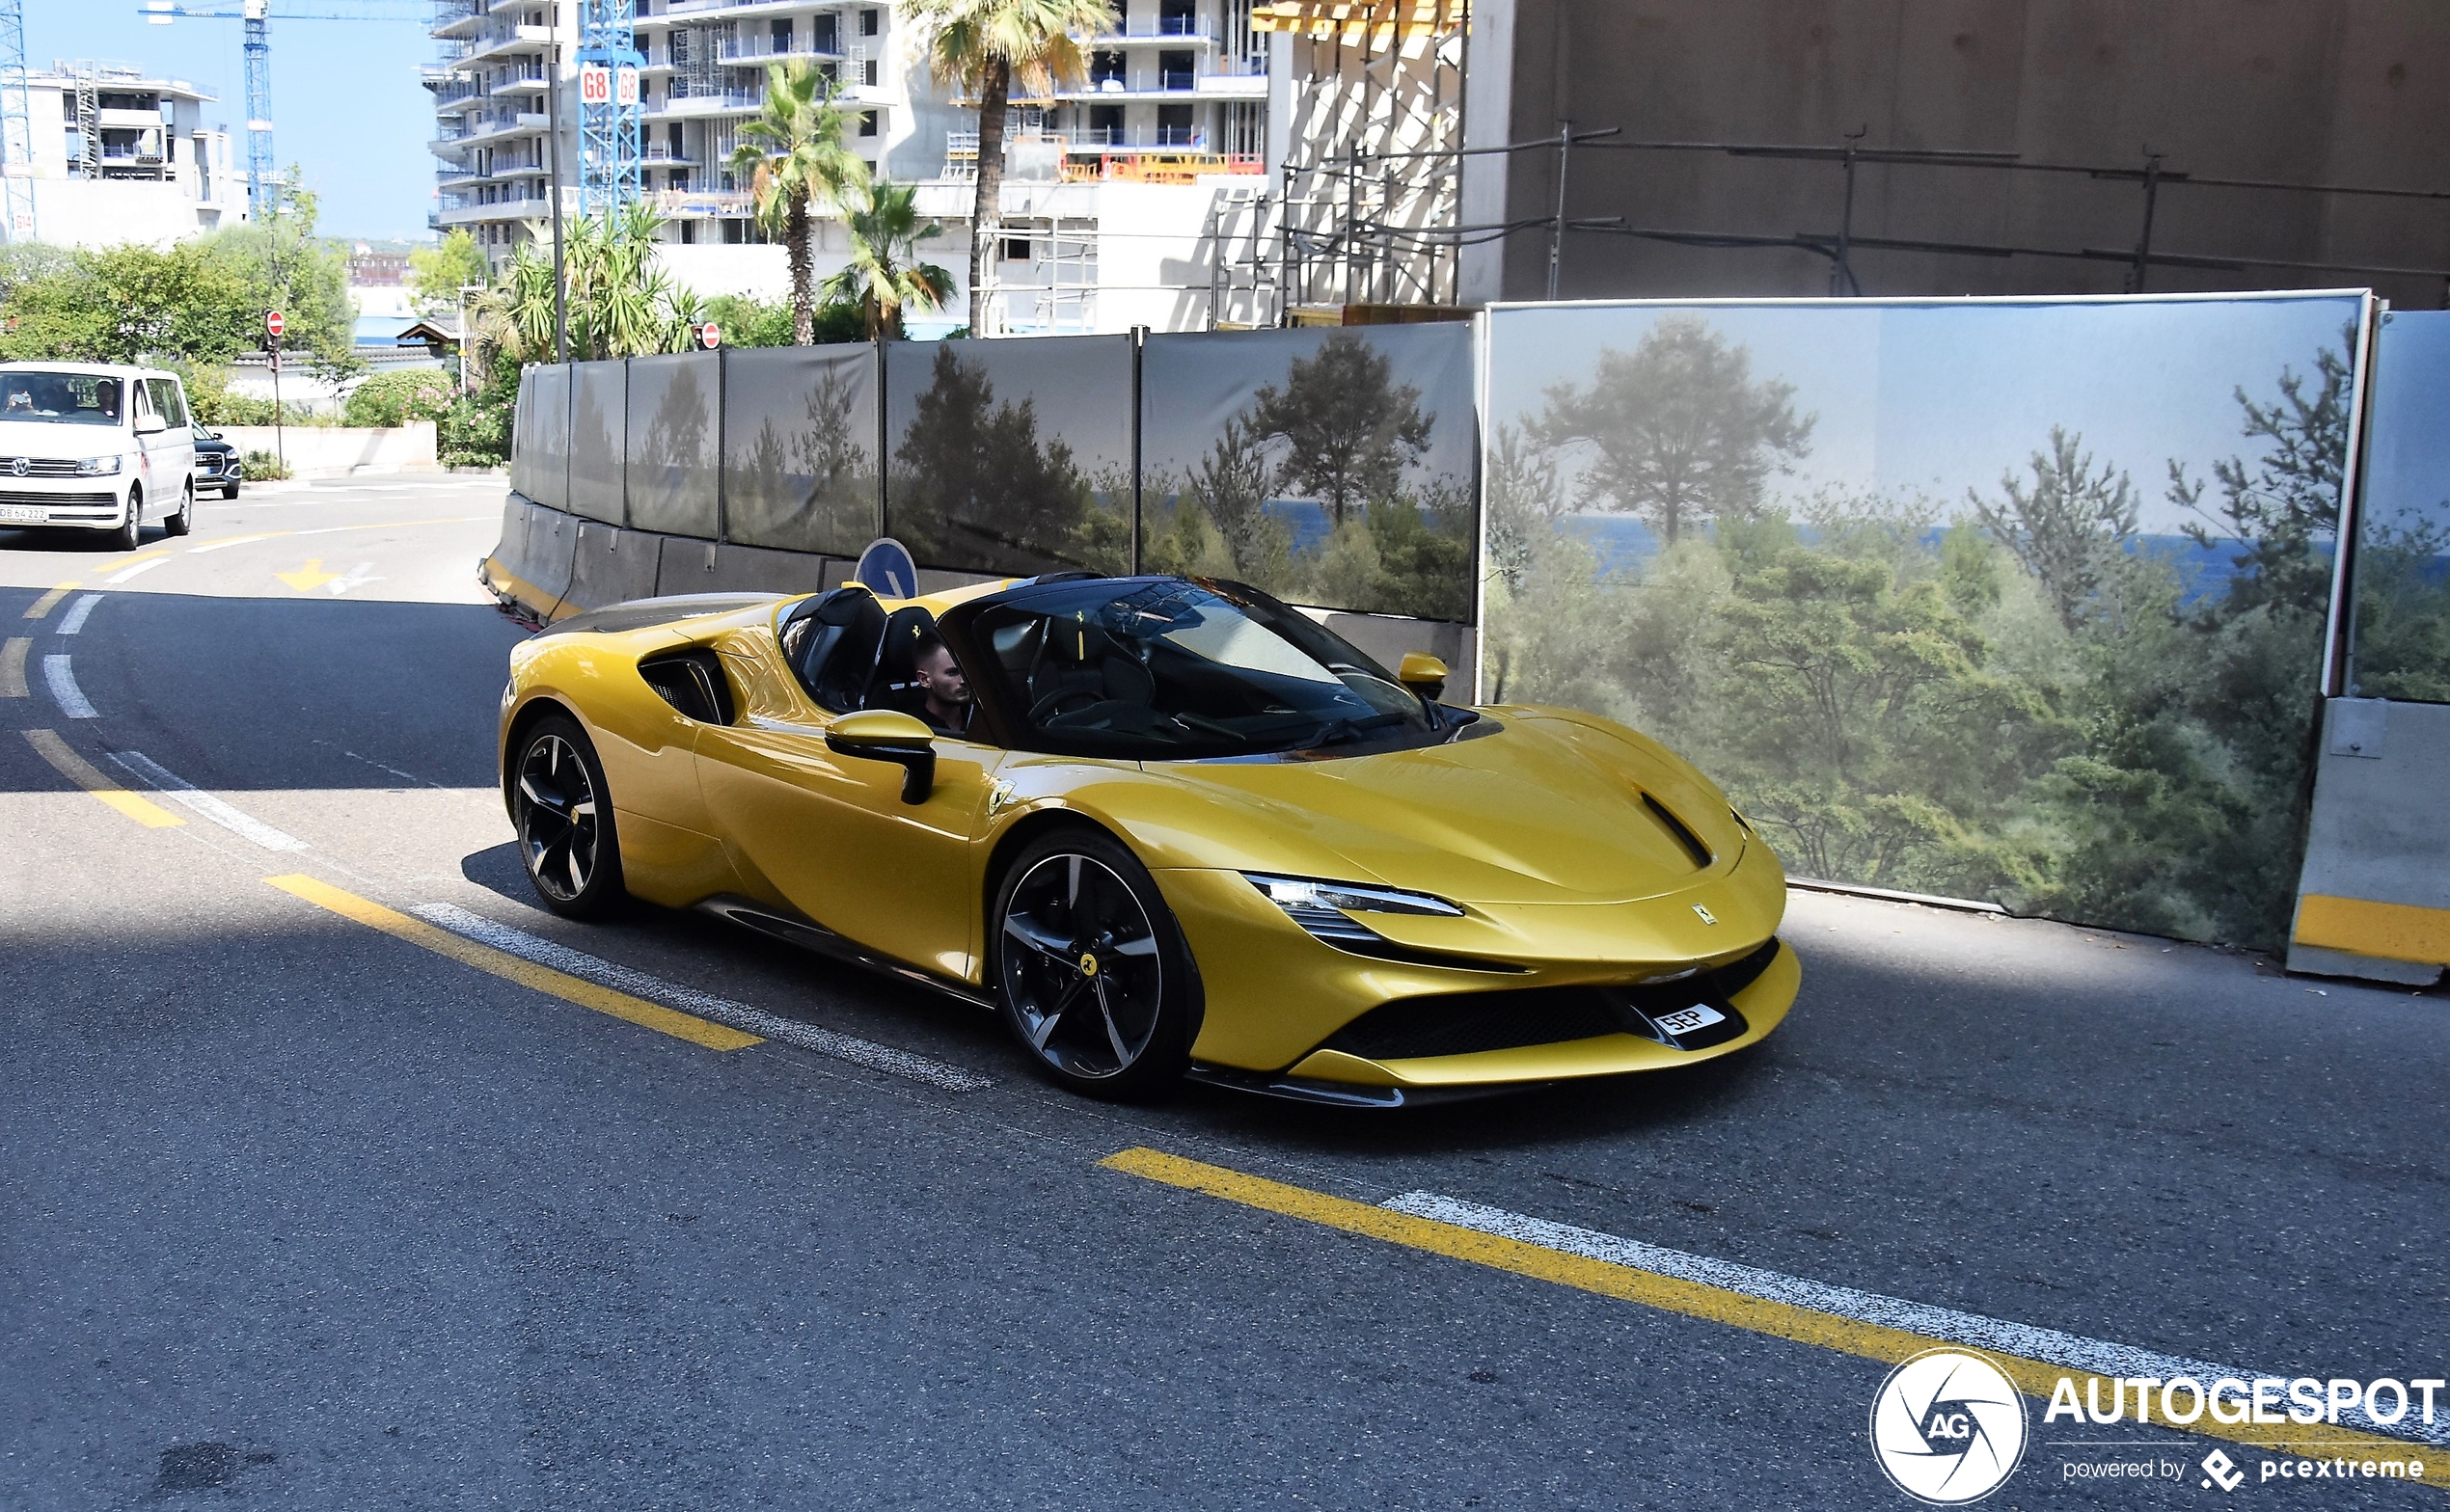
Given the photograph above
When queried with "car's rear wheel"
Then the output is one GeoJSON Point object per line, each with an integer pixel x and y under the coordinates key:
{"type": "Point", "coordinates": [184, 520]}
{"type": "Point", "coordinates": [1090, 969]}
{"type": "Point", "coordinates": [565, 820]}
{"type": "Point", "coordinates": [131, 535]}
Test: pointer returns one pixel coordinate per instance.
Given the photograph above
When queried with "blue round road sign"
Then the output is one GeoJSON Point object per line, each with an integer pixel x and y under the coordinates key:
{"type": "Point", "coordinates": [887, 568]}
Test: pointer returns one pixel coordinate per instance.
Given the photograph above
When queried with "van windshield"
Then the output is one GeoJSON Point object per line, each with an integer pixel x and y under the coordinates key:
{"type": "Point", "coordinates": [60, 398]}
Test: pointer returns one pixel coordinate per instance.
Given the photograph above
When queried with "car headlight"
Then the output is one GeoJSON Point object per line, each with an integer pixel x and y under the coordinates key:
{"type": "Point", "coordinates": [1309, 900]}
{"type": "Point", "coordinates": [98, 466]}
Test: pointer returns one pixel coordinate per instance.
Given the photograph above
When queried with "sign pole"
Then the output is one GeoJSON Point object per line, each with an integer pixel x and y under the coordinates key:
{"type": "Point", "coordinates": [274, 324]}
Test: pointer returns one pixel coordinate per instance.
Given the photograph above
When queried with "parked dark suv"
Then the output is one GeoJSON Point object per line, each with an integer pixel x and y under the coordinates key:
{"type": "Point", "coordinates": [217, 463]}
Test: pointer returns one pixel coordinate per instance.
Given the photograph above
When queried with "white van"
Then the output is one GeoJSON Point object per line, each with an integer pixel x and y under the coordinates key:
{"type": "Point", "coordinates": [95, 446]}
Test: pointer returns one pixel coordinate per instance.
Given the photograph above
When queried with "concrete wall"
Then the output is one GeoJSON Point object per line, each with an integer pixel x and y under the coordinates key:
{"type": "Point", "coordinates": [341, 450]}
{"type": "Point", "coordinates": [2346, 92]}
{"type": "Point", "coordinates": [2373, 900]}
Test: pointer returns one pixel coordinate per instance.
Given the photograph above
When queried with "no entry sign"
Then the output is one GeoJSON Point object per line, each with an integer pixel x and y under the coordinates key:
{"type": "Point", "coordinates": [274, 324]}
{"type": "Point", "coordinates": [709, 335]}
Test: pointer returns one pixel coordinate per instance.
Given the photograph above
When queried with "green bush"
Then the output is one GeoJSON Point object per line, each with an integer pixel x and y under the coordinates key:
{"type": "Point", "coordinates": [400, 398]}
{"type": "Point", "coordinates": [263, 466]}
{"type": "Point", "coordinates": [475, 430]}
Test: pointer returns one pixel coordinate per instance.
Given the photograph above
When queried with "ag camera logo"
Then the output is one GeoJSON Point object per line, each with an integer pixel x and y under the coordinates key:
{"type": "Point", "coordinates": [1947, 1427]}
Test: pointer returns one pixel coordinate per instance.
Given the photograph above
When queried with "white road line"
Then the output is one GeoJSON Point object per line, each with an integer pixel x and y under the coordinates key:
{"type": "Point", "coordinates": [236, 540]}
{"type": "Point", "coordinates": [723, 1010]}
{"type": "Point", "coordinates": [63, 690]}
{"type": "Point", "coordinates": [2048, 1345]}
{"type": "Point", "coordinates": [124, 573]}
{"type": "Point", "coordinates": [178, 790]}
{"type": "Point", "coordinates": [74, 619]}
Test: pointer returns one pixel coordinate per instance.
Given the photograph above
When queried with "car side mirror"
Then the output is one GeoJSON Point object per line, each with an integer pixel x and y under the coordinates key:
{"type": "Point", "coordinates": [1423, 673]}
{"type": "Point", "coordinates": [150, 425]}
{"type": "Point", "coordinates": [889, 735]}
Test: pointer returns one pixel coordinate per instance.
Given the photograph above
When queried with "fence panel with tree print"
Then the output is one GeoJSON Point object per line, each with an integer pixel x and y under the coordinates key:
{"type": "Point", "coordinates": [2016, 601]}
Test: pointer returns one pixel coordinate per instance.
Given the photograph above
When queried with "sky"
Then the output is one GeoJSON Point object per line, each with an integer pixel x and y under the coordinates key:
{"type": "Point", "coordinates": [2407, 465]}
{"type": "Point", "coordinates": [348, 107]}
{"type": "Point", "coordinates": [1943, 399]}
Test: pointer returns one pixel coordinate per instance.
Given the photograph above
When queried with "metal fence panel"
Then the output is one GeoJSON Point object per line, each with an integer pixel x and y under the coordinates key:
{"type": "Point", "coordinates": [673, 431]}
{"type": "Point", "coordinates": [798, 442]}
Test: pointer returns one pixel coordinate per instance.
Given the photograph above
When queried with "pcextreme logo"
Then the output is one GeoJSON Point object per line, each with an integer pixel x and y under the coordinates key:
{"type": "Point", "coordinates": [1947, 1427]}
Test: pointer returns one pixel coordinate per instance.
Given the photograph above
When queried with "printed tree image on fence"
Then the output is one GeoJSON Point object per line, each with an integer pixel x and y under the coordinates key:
{"type": "Point", "coordinates": [2015, 693]}
{"type": "Point", "coordinates": [1320, 489]}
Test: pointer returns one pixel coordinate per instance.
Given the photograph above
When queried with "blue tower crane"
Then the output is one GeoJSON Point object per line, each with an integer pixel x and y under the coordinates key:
{"type": "Point", "coordinates": [609, 148]}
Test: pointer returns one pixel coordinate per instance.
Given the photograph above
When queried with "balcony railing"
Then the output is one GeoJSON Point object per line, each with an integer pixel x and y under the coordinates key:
{"type": "Point", "coordinates": [1157, 26]}
{"type": "Point", "coordinates": [753, 49]}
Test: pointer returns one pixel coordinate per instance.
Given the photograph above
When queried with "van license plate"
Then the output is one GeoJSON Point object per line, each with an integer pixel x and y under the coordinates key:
{"type": "Point", "coordinates": [1685, 1020]}
{"type": "Point", "coordinates": [22, 514]}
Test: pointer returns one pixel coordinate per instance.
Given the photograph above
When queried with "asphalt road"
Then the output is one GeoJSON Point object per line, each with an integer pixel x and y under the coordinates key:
{"type": "Point", "coordinates": [295, 1213]}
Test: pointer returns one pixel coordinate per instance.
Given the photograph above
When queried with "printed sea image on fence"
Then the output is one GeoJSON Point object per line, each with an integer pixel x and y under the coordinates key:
{"type": "Point", "coordinates": [1012, 456]}
{"type": "Point", "coordinates": [2018, 601]}
{"type": "Point", "coordinates": [1330, 467]}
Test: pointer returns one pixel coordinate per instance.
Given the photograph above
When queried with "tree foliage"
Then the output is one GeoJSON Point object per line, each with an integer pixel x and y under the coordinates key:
{"type": "Point", "coordinates": [792, 154]}
{"type": "Point", "coordinates": [976, 482]}
{"type": "Point", "coordinates": [2068, 526]}
{"type": "Point", "coordinates": [885, 275]}
{"type": "Point", "coordinates": [984, 47]}
{"type": "Point", "coordinates": [438, 275]}
{"type": "Point", "coordinates": [1349, 429]}
{"type": "Point", "coordinates": [1681, 432]}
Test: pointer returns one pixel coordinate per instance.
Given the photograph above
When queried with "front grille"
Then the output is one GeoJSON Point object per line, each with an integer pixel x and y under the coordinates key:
{"type": "Point", "coordinates": [37, 466]}
{"type": "Point", "coordinates": [1464, 1023]}
{"type": "Point", "coordinates": [58, 498]}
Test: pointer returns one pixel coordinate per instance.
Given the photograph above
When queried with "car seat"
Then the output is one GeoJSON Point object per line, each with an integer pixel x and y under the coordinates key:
{"type": "Point", "coordinates": [894, 684]}
{"type": "Point", "coordinates": [1084, 660]}
{"type": "Point", "coordinates": [837, 654]}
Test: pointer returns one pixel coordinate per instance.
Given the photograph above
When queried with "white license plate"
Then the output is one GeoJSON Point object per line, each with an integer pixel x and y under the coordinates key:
{"type": "Point", "coordinates": [23, 514]}
{"type": "Point", "coordinates": [1685, 1020]}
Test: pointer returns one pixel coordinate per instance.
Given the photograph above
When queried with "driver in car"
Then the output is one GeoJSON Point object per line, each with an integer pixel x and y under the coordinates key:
{"type": "Point", "coordinates": [946, 689]}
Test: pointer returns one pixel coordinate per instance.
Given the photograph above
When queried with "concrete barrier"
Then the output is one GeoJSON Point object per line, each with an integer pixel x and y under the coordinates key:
{"type": "Point", "coordinates": [610, 565]}
{"type": "Point", "coordinates": [342, 450]}
{"type": "Point", "coordinates": [531, 567]}
{"type": "Point", "coordinates": [693, 566]}
{"type": "Point", "coordinates": [2374, 898]}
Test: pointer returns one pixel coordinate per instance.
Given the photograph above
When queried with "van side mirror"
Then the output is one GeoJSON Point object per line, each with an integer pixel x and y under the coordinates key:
{"type": "Point", "coordinates": [149, 425]}
{"type": "Point", "coordinates": [1423, 673]}
{"type": "Point", "coordinates": [889, 735]}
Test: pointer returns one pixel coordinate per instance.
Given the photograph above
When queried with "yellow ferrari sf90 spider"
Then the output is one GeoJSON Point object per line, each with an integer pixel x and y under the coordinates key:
{"type": "Point", "coordinates": [1160, 826]}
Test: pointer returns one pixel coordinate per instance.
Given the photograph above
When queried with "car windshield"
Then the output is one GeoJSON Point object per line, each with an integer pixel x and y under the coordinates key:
{"type": "Point", "coordinates": [1178, 668]}
{"type": "Point", "coordinates": [60, 398]}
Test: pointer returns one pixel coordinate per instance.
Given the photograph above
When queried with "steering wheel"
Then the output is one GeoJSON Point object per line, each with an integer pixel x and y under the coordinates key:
{"type": "Point", "coordinates": [1052, 706]}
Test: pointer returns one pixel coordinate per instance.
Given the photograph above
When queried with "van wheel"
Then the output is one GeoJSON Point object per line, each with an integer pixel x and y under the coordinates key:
{"type": "Point", "coordinates": [184, 520]}
{"type": "Point", "coordinates": [129, 536]}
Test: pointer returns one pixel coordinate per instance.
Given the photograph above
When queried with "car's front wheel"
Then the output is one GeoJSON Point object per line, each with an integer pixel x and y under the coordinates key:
{"type": "Point", "coordinates": [1089, 968]}
{"type": "Point", "coordinates": [131, 533]}
{"type": "Point", "coordinates": [565, 820]}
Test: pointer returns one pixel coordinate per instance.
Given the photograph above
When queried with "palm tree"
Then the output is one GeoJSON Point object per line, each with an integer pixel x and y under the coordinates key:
{"type": "Point", "coordinates": [620, 303]}
{"type": "Point", "coordinates": [792, 154]}
{"type": "Point", "coordinates": [984, 47]}
{"type": "Point", "coordinates": [884, 273]}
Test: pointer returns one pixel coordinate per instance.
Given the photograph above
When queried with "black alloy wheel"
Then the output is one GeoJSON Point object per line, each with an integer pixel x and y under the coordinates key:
{"type": "Point", "coordinates": [565, 820]}
{"type": "Point", "coordinates": [184, 520]}
{"type": "Point", "coordinates": [131, 535]}
{"type": "Point", "coordinates": [1089, 970]}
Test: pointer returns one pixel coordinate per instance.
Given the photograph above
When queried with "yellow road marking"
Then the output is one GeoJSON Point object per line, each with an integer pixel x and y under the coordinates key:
{"type": "Point", "coordinates": [310, 575]}
{"type": "Point", "coordinates": [334, 530]}
{"type": "Point", "coordinates": [1695, 1300]}
{"type": "Point", "coordinates": [49, 601]}
{"type": "Point", "coordinates": [12, 666]}
{"type": "Point", "coordinates": [510, 968]}
{"type": "Point", "coordinates": [85, 774]}
{"type": "Point", "coordinates": [2391, 930]}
